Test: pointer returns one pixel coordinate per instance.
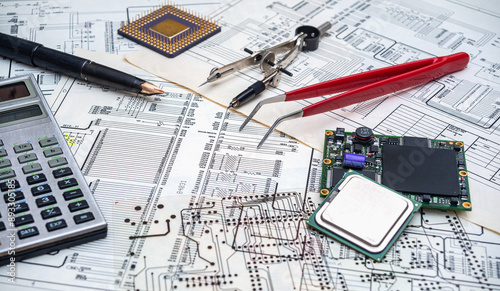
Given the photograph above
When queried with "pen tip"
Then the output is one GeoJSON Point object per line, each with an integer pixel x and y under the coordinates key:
{"type": "Point", "coordinates": [148, 88]}
{"type": "Point", "coordinates": [233, 104]}
{"type": "Point", "coordinates": [203, 83]}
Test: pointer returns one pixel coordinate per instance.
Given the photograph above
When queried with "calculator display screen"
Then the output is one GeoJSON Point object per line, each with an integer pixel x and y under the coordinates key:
{"type": "Point", "coordinates": [13, 91]}
{"type": "Point", "coordinates": [20, 113]}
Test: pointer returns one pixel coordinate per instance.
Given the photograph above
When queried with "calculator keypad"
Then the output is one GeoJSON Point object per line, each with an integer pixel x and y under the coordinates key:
{"type": "Point", "coordinates": [48, 199]}
{"type": "Point", "coordinates": [46, 203]}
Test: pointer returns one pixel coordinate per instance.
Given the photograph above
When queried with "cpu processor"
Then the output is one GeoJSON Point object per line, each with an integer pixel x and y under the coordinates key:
{"type": "Point", "coordinates": [430, 171]}
{"type": "Point", "coordinates": [364, 215]}
{"type": "Point", "coordinates": [170, 30]}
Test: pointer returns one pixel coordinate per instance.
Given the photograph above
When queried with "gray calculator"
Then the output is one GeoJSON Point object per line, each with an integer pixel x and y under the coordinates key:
{"type": "Point", "coordinates": [47, 204]}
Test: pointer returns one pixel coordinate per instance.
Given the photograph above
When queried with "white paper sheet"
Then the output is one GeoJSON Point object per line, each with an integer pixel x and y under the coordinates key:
{"type": "Point", "coordinates": [365, 35]}
{"type": "Point", "coordinates": [147, 167]}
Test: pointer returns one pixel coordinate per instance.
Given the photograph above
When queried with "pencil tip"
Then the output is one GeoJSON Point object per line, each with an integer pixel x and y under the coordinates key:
{"type": "Point", "coordinates": [203, 83]}
{"type": "Point", "coordinates": [148, 88]}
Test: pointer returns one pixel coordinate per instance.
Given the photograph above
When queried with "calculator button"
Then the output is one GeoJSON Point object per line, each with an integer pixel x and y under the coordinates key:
{"type": "Point", "coordinates": [24, 147]}
{"type": "Point", "coordinates": [22, 220]}
{"type": "Point", "coordinates": [71, 182]}
{"type": "Point", "coordinates": [58, 162]}
{"type": "Point", "coordinates": [40, 189]}
{"type": "Point", "coordinates": [59, 173]}
{"type": "Point", "coordinates": [27, 232]}
{"type": "Point", "coordinates": [54, 225]}
{"type": "Point", "coordinates": [51, 212]}
{"type": "Point", "coordinates": [45, 201]}
{"type": "Point", "coordinates": [48, 142]}
{"type": "Point", "coordinates": [7, 174]}
{"type": "Point", "coordinates": [35, 179]}
{"type": "Point", "coordinates": [3, 152]}
{"type": "Point", "coordinates": [32, 168]}
{"type": "Point", "coordinates": [78, 205]}
{"type": "Point", "coordinates": [2, 226]}
{"type": "Point", "coordinates": [72, 194]}
{"type": "Point", "coordinates": [52, 152]}
{"type": "Point", "coordinates": [5, 186]}
{"type": "Point", "coordinates": [5, 163]}
{"type": "Point", "coordinates": [84, 217]}
{"type": "Point", "coordinates": [21, 207]}
{"type": "Point", "coordinates": [27, 158]}
{"type": "Point", "coordinates": [16, 195]}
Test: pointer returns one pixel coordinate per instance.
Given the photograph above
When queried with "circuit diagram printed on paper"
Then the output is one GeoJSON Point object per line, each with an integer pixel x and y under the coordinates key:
{"type": "Point", "coordinates": [165, 236]}
{"type": "Point", "coordinates": [261, 242]}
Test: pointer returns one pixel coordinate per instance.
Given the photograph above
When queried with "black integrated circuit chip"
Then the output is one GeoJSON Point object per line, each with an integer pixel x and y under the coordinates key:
{"type": "Point", "coordinates": [422, 170]}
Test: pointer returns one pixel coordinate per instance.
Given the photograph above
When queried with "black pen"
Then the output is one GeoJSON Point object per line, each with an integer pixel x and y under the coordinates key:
{"type": "Point", "coordinates": [37, 55]}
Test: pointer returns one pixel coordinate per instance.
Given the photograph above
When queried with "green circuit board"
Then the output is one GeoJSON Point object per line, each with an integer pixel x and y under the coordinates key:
{"type": "Point", "coordinates": [430, 171]}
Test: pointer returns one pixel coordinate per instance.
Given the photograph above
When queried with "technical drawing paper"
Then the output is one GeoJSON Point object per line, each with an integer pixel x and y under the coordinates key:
{"type": "Point", "coordinates": [150, 159]}
{"type": "Point", "coordinates": [134, 147]}
{"type": "Point", "coordinates": [261, 242]}
{"type": "Point", "coordinates": [366, 35]}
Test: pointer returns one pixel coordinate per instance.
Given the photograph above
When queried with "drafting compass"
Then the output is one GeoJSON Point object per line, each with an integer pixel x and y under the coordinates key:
{"type": "Point", "coordinates": [306, 39]}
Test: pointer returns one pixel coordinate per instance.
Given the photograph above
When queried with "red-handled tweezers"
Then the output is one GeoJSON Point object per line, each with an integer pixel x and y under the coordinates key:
{"type": "Point", "coordinates": [364, 86]}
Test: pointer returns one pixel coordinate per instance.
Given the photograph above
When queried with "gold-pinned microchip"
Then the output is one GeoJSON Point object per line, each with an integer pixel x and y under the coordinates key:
{"type": "Point", "coordinates": [170, 30]}
{"type": "Point", "coordinates": [169, 27]}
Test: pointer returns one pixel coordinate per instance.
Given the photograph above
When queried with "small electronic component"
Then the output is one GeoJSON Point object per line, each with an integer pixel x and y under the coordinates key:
{"type": "Point", "coordinates": [429, 171]}
{"type": "Point", "coordinates": [364, 215]}
{"type": "Point", "coordinates": [416, 141]}
{"type": "Point", "coordinates": [339, 135]}
{"type": "Point", "coordinates": [169, 30]}
{"type": "Point", "coordinates": [358, 148]}
{"type": "Point", "coordinates": [363, 135]}
{"type": "Point", "coordinates": [354, 161]}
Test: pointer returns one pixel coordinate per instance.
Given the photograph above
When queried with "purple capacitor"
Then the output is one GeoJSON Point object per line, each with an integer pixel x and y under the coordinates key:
{"type": "Point", "coordinates": [354, 161]}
